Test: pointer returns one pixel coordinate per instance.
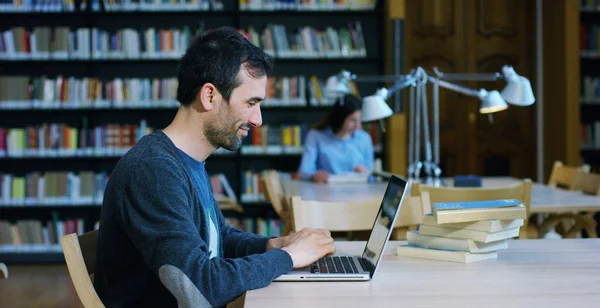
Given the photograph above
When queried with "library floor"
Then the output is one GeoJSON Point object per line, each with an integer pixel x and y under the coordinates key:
{"type": "Point", "coordinates": [38, 286]}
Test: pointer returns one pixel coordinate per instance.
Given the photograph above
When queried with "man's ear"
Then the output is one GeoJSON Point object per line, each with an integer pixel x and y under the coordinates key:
{"type": "Point", "coordinates": [208, 96]}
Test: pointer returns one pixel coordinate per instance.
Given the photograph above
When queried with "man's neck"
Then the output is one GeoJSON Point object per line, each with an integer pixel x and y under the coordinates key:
{"type": "Point", "coordinates": [187, 133]}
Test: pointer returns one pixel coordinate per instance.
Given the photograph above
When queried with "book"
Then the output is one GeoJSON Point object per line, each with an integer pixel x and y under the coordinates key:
{"type": "Point", "coordinates": [349, 178]}
{"type": "Point", "coordinates": [444, 255]}
{"type": "Point", "coordinates": [477, 214]}
{"type": "Point", "coordinates": [483, 204]}
{"type": "Point", "coordinates": [415, 238]}
{"type": "Point", "coordinates": [488, 225]}
{"type": "Point", "coordinates": [478, 236]}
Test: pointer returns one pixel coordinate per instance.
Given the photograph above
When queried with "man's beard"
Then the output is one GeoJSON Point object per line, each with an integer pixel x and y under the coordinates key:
{"type": "Point", "coordinates": [224, 134]}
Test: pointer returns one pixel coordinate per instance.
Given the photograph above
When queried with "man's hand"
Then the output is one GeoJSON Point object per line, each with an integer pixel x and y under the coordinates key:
{"type": "Point", "coordinates": [307, 246]}
{"type": "Point", "coordinates": [360, 168]}
{"type": "Point", "coordinates": [321, 176]}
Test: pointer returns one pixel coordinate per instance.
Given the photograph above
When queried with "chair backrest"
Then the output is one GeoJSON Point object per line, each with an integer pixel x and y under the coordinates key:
{"type": "Point", "coordinates": [3, 271]}
{"type": "Point", "coordinates": [274, 192]}
{"type": "Point", "coordinates": [429, 194]}
{"type": "Point", "coordinates": [80, 256]}
{"type": "Point", "coordinates": [350, 216]}
{"type": "Point", "coordinates": [588, 183]}
{"type": "Point", "coordinates": [566, 176]}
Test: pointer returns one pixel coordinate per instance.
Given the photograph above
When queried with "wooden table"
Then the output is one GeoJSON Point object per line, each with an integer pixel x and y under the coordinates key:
{"type": "Point", "coordinates": [544, 199]}
{"type": "Point", "coordinates": [530, 273]}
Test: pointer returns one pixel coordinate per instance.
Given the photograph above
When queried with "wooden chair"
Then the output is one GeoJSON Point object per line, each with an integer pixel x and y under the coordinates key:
{"type": "Point", "coordinates": [275, 194]}
{"type": "Point", "coordinates": [588, 183]}
{"type": "Point", "coordinates": [565, 176]}
{"type": "Point", "coordinates": [352, 216]}
{"type": "Point", "coordinates": [520, 191]}
{"type": "Point", "coordinates": [570, 225]}
{"type": "Point", "coordinates": [3, 271]}
{"type": "Point", "coordinates": [80, 256]}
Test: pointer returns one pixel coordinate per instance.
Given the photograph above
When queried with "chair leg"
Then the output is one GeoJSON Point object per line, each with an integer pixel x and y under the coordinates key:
{"type": "Point", "coordinates": [3, 271]}
{"type": "Point", "coordinates": [238, 302]}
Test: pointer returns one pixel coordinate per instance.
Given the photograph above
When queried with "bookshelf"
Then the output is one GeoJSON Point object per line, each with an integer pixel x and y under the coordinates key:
{"type": "Point", "coordinates": [590, 83]}
{"type": "Point", "coordinates": [77, 110]}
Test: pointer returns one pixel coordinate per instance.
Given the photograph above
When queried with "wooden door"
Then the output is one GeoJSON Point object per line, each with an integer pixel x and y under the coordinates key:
{"type": "Point", "coordinates": [477, 36]}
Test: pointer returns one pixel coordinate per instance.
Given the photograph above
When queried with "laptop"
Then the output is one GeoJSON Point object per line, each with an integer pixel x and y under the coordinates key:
{"type": "Point", "coordinates": [358, 268]}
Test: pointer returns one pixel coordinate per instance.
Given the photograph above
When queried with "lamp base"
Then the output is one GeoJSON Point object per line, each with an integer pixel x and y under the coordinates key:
{"type": "Point", "coordinates": [432, 177]}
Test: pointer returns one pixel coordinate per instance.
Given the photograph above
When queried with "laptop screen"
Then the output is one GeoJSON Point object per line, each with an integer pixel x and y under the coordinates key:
{"type": "Point", "coordinates": [390, 206]}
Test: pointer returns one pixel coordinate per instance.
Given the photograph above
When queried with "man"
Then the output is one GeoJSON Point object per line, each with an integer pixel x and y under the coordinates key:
{"type": "Point", "coordinates": [163, 241]}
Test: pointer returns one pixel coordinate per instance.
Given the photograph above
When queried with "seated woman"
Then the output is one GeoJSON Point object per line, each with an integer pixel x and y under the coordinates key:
{"type": "Point", "coordinates": [337, 144]}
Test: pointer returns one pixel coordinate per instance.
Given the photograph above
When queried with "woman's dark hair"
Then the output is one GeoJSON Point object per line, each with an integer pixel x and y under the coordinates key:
{"type": "Point", "coordinates": [216, 57]}
{"type": "Point", "coordinates": [342, 108]}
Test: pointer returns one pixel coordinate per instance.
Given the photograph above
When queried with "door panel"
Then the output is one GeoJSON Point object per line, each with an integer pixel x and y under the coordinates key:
{"type": "Point", "coordinates": [476, 36]}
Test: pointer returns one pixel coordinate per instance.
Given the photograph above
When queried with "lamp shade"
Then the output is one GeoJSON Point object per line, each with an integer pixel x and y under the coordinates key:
{"type": "Point", "coordinates": [519, 92]}
{"type": "Point", "coordinates": [491, 102]}
{"type": "Point", "coordinates": [518, 89]}
{"type": "Point", "coordinates": [374, 107]}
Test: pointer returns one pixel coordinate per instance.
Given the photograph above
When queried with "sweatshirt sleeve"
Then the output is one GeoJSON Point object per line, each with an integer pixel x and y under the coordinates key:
{"type": "Point", "coordinates": [308, 163]}
{"type": "Point", "coordinates": [238, 244]}
{"type": "Point", "coordinates": [157, 216]}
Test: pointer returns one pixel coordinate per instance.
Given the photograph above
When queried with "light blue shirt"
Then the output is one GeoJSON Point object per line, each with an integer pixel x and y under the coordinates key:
{"type": "Point", "coordinates": [323, 150]}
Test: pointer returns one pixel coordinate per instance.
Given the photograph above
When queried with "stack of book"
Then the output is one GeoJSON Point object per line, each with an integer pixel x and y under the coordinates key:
{"type": "Point", "coordinates": [465, 231]}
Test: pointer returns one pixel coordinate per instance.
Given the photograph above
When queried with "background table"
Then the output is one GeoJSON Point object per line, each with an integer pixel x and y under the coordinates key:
{"type": "Point", "coordinates": [544, 199]}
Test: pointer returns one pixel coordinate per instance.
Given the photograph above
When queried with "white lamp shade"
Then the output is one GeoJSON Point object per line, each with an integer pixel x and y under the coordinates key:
{"type": "Point", "coordinates": [518, 91]}
{"type": "Point", "coordinates": [336, 87]}
{"type": "Point", "coordinates": [492, 102]}
{"type": "Point", "coordinates": [375, 108]}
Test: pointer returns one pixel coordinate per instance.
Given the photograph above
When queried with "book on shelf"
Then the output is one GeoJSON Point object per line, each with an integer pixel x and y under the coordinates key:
{"type": "Point", "coordinates": [285, 91]}
{"type": "Point", "coordinates": [309, 42]}
{"type": "Point", "coordinates": [45, 6]}
{"type": "Point", "coordinates": [23, 92]}
{"type": "Point", "coordinates": [588, 39]}
{"type": "Point", "coordinates": [306, 5]}
{"type": "Point", "coordinates": [221, 188]}
{"type": "Point", "coordinates": [61, 140]}
{"type": "Point", "coordinates": [31, 235]}
{"type": "Point", "coordinates": [274, 140]}
{"type": "Point", "coordinates": [590, 90]}
{"type": "Point", "coordinates": [150, 43]}
{"type": "Point", "coordinates": [590, 6]}
{"type": "Point", "coordinates": [465, 211]}
{"type": "Point", "coordinates": [62, 92]}
{"type": "Point", "coordinates": [157, 5]}
{"type": "Point", "coordinates": [252, 189]}
{"type": "Point", "coordinates": [266, 227]}
{"type": "Point", "coordinates": [45, 43]}
{"type": "Point", "coordinates": [590, 135]}
{"type": "Point", "coordinates": [49, 188]}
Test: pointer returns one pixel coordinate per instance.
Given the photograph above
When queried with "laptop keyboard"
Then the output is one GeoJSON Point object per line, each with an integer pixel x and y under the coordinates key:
{"type": "Point", "coordinates": [366, 265]}
{"type": "Point", "coordinates": [334, 265]}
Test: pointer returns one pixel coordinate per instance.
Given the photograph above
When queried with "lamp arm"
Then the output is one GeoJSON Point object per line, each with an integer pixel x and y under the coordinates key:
{"type": "Point", "coordinates": [455, 87]}
{"type": "Point", "coordinates": [388, 78]}
{"type": "Point", "coordinates": [407, 82]}
{"type": "Point", "coordinates": [467, 76]}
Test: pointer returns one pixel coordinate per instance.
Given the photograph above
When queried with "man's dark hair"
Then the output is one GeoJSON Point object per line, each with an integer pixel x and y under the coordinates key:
{"type": "Point", "coordinates": [216, 57]}
{"type": "Point", "coordinates": [344, 106]}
